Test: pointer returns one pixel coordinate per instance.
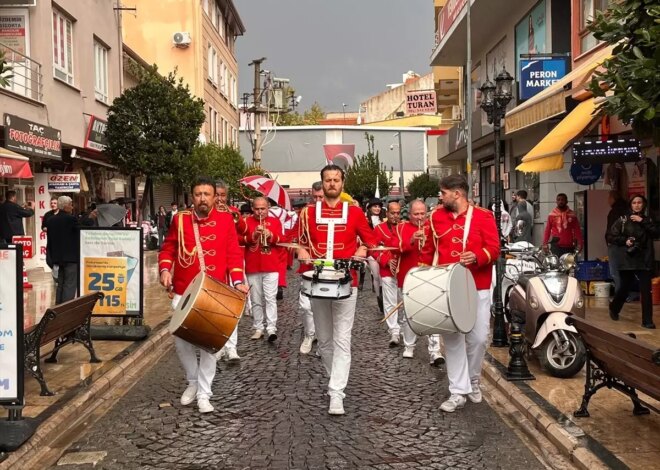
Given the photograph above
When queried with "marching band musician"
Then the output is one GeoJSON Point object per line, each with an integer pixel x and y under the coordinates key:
{"type": "Point", "coordinates": [387, 236]}
{"type": "Point", "coordinates": [412, 235]}
{"type": "Point", "coordinates": [229, 352]}
{"type": "Point", "coordinates": [282, 215]}
{"type": "Point", "coordinates": [201, 239]}
{"type": "Point", "coordinates": [330, 228]}
{"type": "Point", "coordinates": [262, 265]}
{"type": "Point", "coordinates": [455, 225]}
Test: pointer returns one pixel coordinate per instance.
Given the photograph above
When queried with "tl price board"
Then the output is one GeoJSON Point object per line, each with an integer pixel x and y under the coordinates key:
{"type": "Point", "coordinates": [109, 276]}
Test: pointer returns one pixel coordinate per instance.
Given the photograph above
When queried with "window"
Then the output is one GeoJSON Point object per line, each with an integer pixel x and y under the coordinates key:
{"type": "Point", "coordinates": [62, 47]}
{"type": "Point", "coordinates": [234, 132]}
{"type": "Point", "coordinates": [100, 72]}
{"type": "Point", "coordinates": [234, 90]}
{"type": "Point", "coordinates": [222, 142]}
{"type": "Point", "coordinates": [225, 125]}
{"type": "Point", "coordinates": [225, 80]}
{"type": "Point", "coordinates": [212, 65]}
{"type": "Point", "coordinates": [588, 8]}
{"type": "Point", "coordinates": [205, 5]}
{"type": "Point", "coordinates": [211, 12]}
{"type": "Point", "coordinates": [213, 124]}
{"type": "Point", "coordinates": [220, 21]}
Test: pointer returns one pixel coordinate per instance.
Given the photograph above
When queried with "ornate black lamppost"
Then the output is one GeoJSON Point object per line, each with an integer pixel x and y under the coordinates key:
{"type": "Point", "coordinates": [494, 99]}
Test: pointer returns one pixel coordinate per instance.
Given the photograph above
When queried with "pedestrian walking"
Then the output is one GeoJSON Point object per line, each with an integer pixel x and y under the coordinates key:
{"type": "Point", "coordinates": [161, 223]}
{"type": "Point", "coordinates": [180, 261]}
{"type": "Point", "coordinates": [12, 215]}
{"type": "Point", "coordinates": [62, 246]}
{"type": "Point", "coordinates": [53, 211]}
{"type": "Point", "coordinates": [522, 218]}
{"type": "Point", "coordinates": [619, 209]}
{"type": "Point", "coordinates": [562, 230]}
{"type": "Point", "coordinates": [477, 250]}
{"type": "Point", "coordinates": [174, 208]}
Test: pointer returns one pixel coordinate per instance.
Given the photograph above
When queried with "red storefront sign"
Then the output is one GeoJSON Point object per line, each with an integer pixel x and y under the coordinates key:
{"type": "Point", "coordinates": [447, 16]}
{"type": "Point", "coordinates": [13, 165]}
{"type": "Point", "coordinates": [26, 241]}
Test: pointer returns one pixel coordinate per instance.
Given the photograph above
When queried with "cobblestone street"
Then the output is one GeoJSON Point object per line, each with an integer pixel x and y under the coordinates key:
{"type": "Point", "coordinates": [271, 412]}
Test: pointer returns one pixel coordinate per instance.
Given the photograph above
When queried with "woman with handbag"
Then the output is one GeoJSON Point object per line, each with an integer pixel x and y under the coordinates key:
{"type": "Point", "coordinates": [633, 235]}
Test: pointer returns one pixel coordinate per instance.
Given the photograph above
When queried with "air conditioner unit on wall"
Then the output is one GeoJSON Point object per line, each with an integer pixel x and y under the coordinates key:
{"type": "Point", "coordinates": [456, 114]}
{"type": "Point", "coordinates": [181, 39]}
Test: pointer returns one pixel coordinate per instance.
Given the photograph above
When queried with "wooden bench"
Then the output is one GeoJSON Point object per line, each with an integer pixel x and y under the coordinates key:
{"type": "Point", "coordinates": [618, 361]}
{"type": "Point", "coordinates": [65, 324]}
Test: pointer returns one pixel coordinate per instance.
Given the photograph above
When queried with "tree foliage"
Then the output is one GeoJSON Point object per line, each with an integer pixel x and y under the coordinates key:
{"type": "Point", "coordinates": [5, 71]}
{"type": "Point", "coordinates": [632, 73]}
{"type": "Point", "coordinates": [225, 163]}
{"type": "Point", "coordinates": [422, 186]}
{"type": "Point", "coordinates": [311, 117]}
{"type": "Point", "coordinates": [362, 175]}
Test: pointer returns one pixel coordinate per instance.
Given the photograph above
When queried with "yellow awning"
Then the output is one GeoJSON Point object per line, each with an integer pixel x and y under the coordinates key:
{"type": "Point", "coordinates": [551, 101]}
{"type": "Point", "coordinates": [548, 154]}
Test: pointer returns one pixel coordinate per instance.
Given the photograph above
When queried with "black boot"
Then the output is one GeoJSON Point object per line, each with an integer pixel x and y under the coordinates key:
{"type": "Point", "coordinates": [280, 293]}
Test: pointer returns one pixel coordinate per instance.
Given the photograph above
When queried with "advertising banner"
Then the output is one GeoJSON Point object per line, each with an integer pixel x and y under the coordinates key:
{"type": "Point", "coordinates": [420, 102]}
{"type": "Point", "coordinates": [12, 34]}
{"type": "Point", "coordinates": [41, 206]}
{"type": "Point", "coordinates": [64, 182]}
{"type": "Point", "coordinates": [531, 34]}
{"type": "Point", "coordinates": [447, 17]}
{"type": "Point", "coordinates": [11, 327]}
{"type": "Point", "coordinates": [538, 74]}
{"type": "Point", "coordinates": [95, 138]}
{"type": "Point", "coordinates": [26, 242]}
{"type": "Point", "coordinates": [111, 262]}
{"type": "Point", "coordinates": [31, 138]}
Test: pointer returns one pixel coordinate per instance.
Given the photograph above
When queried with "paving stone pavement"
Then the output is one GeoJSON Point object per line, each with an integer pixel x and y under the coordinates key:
{"type": "Point", "coordinates": [271, 412]}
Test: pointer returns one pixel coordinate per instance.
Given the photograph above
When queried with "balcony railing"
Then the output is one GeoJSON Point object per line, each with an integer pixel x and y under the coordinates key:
{"type": "Point", "coordinates": [27, 79]}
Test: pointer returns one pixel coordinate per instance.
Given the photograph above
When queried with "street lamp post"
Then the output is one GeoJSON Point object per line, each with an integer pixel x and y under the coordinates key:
{"type": "Point", "coordinates": [493, 102]}
{"type": "Point", "coordinates": [401, 187]}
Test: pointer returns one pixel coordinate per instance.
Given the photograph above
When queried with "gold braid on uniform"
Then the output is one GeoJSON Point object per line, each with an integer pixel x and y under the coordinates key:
{"type": "Point", "coordinates": [186, 257]}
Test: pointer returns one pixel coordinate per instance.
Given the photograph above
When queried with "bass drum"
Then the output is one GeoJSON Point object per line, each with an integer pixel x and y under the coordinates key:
{"type": "Point", "coordinates": [207, 313]}
{"type": "Point", "coordinates": [440, 299]}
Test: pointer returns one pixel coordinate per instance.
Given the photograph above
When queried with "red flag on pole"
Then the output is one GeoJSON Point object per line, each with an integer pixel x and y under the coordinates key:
{"type": "Point", "coordinates": [340, 154]}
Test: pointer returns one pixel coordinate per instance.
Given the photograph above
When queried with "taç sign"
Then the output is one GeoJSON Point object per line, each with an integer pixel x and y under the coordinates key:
{"type": "Point", "coordinates": [31, 138]}
{"type": "Point", "coordinates": [420, 102]}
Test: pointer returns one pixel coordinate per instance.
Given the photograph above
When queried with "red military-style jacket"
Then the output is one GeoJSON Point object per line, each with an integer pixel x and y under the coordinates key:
{"type": "Point", "coordinates": [222, 255]}
{"type": "Point", "coordinates": [255, 260]}
{"type": "Point", "coordinates": [447, 240]}
{"type": "Point", "coordinates": [409, 248]}
{"type": "Point", "coordinates": [386, 235]}
{"type": "Point", "coordinates": [315, 236]}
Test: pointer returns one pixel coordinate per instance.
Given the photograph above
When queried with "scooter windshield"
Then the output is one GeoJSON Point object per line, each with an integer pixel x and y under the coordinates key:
{"type": "Point", "coordinates": [555, 284]}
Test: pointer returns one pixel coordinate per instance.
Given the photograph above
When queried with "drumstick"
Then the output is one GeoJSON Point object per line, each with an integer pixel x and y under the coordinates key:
{"type": "Point", "coordinates": [396, 307]}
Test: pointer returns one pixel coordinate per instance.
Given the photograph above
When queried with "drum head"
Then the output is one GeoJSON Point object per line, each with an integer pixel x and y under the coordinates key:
{"type": "Point", "coordinates": [187, 300]}
{"type": "Point", "coordinates": [463, 298]}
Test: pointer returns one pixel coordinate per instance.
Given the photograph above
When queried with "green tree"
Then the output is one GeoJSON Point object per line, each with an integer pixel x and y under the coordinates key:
{"type": "Point", "coordinates": [311, 117]}
{"type": "Point", "coordinates": [224, 163]}
{"type": "Point", "coordinates": [153, 128]}
{"type": "Point", "coordinates": [361, 176]}
{"type": "Point", "coordinates": [5, 70]}
{"type": "Point", "coordinates": [422, 186]}
{"type": "Point", "coordinates": [632, 73]}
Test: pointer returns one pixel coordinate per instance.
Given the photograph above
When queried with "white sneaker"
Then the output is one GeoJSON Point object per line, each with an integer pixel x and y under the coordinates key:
{"type": "Point", "coordinates": [189, 394]}
{"type": "Point", "coordinates": [395, 339]}
{"type": "Point", "coordinates": [409, 351]}
{"type": "Point", "coordinates": [257, 334]}
{"type": "Point", "coordinates": [436, 359]}
{"type": "Point", "coordinates": [231, 355]}
{"type": "Point", "coordinates": [220, 354]}
{"type": "Point", "coordinates": [336, 406]}
{"type": "Point", "coordinates": [204, 405]}
{"type": "Point", "coordinates": [475, 396]}
{"type": "Point", "coordinates": [306, 346]}
{"type": "Point", "coordinates": [455, 402]}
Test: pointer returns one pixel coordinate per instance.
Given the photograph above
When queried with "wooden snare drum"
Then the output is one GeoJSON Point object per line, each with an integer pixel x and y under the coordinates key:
{"type": "Point", "coordinates": [207, 313]}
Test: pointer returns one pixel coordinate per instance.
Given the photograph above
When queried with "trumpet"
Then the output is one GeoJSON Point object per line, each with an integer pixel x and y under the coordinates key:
{"type": "Point", "coordinates": [421, 241]}
{"type": "Point", "coordinates": [263, 237]}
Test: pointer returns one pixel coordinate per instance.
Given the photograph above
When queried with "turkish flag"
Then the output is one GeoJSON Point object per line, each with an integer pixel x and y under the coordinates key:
{"type": "Point", "coordinates": [340, 154]}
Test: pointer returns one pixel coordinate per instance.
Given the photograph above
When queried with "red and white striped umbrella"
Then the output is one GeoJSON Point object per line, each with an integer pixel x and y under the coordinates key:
{"type": "Point", "coordinates": [269, 188]}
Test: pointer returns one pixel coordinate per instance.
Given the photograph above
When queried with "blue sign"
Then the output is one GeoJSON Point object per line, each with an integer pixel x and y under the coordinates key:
{"type": "Point", "coordinates": [586, 174]}
{"type": "Point", "coordinates": [538, 74]}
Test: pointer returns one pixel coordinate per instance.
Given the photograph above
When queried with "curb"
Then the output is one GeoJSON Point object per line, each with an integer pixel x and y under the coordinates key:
{"type": "Point", "coordinates": [567, 444]}
{"type": "Point", "coordinates": [84, 403]}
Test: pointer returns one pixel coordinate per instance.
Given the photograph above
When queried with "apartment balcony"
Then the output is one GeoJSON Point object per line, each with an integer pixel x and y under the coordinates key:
{"type": "Point", "coordinates": [27, 79]}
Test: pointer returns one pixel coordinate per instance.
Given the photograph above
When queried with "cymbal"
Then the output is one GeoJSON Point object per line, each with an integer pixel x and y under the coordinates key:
{"type": "Point", "coordinates": [383, 248]}
{"type": "Point", "coordinates": [290, 245]}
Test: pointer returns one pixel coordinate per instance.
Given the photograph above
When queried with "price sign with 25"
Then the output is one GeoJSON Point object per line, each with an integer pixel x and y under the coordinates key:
{"type": "Point", "coordinates": [107, 275]}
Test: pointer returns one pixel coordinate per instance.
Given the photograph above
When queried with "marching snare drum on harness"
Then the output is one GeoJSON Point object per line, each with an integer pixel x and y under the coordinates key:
{"type": "Point", "coordinates": [440, 299]}
{"type": "Point", "coordinates": [330, 279]}
{"type": "Point", "coordinates": [207, 313]}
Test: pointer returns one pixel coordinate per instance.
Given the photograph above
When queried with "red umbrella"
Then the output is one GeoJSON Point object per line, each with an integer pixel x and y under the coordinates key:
{"type": "Point", "coordinates": [269, 188]}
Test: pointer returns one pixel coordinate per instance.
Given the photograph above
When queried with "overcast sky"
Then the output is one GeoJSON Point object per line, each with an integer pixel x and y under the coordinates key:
{"type": "Point", "coordinates": [335, 51]}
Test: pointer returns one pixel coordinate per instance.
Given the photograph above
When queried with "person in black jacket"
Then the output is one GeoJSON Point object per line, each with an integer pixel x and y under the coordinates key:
{"type": "Point", "coordinates": [633, 236]}
{"type": "Point", "coordinates": [11, 215]}
{"type": "Point", "coordinates": [53, 211]}
{"type": "Point", "coordinates": [63, 248]}
{"type": "Point", "coordinates": [619, 209]}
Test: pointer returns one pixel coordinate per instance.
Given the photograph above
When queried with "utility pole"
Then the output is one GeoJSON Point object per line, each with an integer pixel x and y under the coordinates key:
{"type": "Point", "coordinates": [468, 105]}
{"type": "Point", "coordinates": [256, 111]}
{"type": "Point", "coordinates": [403, 191]}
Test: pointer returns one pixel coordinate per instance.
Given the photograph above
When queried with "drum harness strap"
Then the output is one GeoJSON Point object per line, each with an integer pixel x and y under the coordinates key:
{"type": "Point", "coordinates": [466, 231]}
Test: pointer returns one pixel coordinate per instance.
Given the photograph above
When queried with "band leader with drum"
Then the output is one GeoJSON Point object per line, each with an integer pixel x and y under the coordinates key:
{"type": "Point", "coordinates": [464, 234]}
{"type": "Point", "coordinates": [200, 239]}
{"type": "Point", "coordinates": [412, 235]}
{"type": "Point", "coordinates": [330, 230]}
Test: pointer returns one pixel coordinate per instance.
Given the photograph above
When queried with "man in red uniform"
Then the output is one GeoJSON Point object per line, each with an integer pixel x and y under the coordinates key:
{"type": "Point", "coordinates": [412, 235]}
{"type": "Point", "coordinates": [330, 229]}
{"type": "Point", "coordinates": [282, 215]}
{"type": "Point", "coordinates": [262, 265]}
{"type": "Point", "coordinates": [180, 261]}
{"type": "Point", "coordinates": [386, 235]}
{"type": "Point", "coordinates": [229, 351]}
{"type": "Point", "coordinates": [477, 250]}
{"type": "Point", "coordinates": [564, 226]}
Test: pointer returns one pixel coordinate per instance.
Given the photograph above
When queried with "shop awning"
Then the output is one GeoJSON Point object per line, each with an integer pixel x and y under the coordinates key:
{"type": "Point", "coordinates": [552, 101]}
{"type": "Point", "coordinates": [548, 155]}
{"type": "Point", "coordinates": [13, 165]}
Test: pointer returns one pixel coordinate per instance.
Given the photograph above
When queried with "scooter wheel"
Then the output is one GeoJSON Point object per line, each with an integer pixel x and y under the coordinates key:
{"type": "Point", "coordinates": [563, 364]}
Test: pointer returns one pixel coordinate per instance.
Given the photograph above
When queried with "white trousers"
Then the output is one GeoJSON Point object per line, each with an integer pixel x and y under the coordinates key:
{"type": "Point", "coordinates": [374, 267]}
{"type": "Point", "coordinates": [198, 372]}
{"type": "Point", "coordinates": [333, 320]}
{"type": "Point", "coordinates": [391, 297]}
{"type": "Point", "coordinates": [410, 339]}
{"type": "Point", "coordinates": [465, 352]}
{"type": "Point", "coordinates": [307, 315]}
{"type": "Point", "coordinates": [263, 293]}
